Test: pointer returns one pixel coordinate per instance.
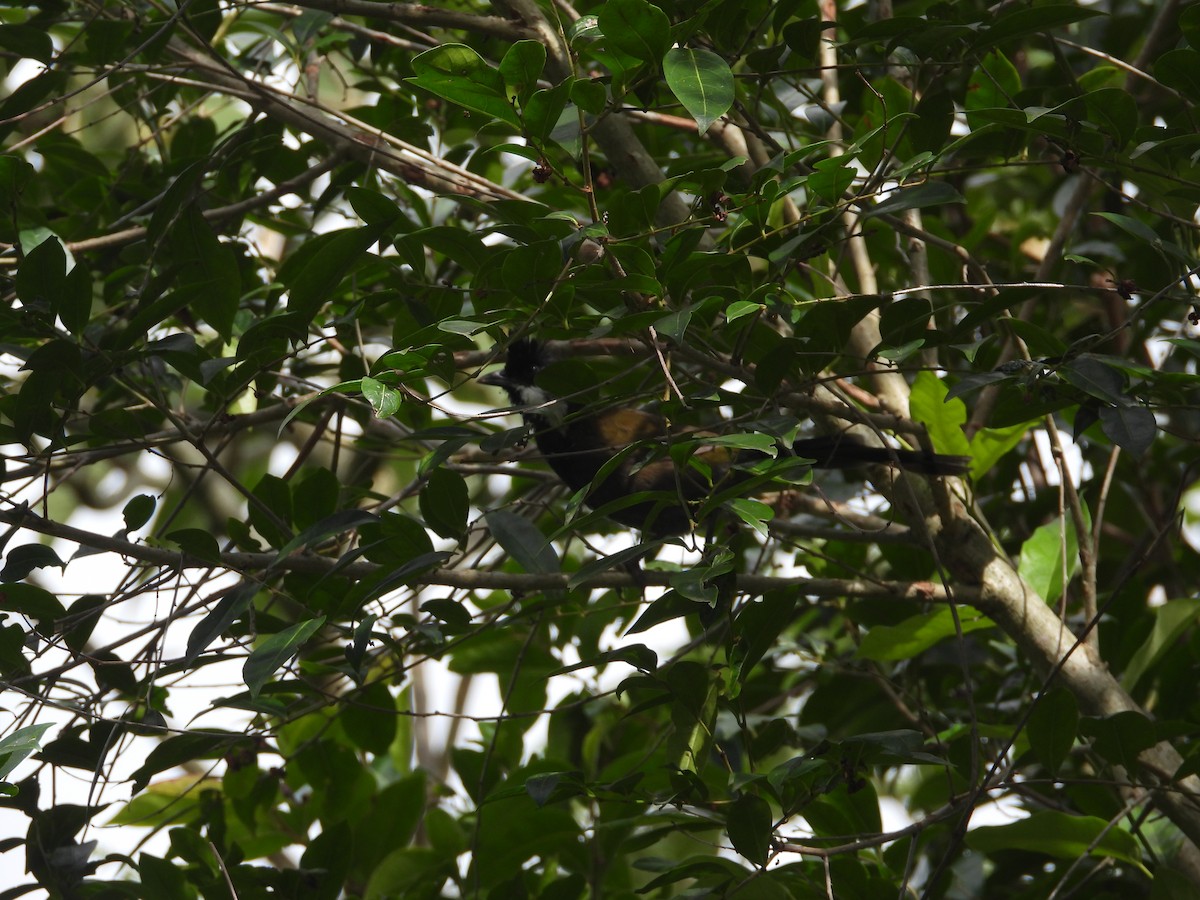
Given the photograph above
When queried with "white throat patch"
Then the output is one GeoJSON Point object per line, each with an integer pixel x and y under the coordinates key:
{"type": "Point", "coordinates": [535, 401]}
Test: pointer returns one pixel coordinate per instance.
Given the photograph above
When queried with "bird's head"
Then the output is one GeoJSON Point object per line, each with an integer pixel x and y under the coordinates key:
{"type": "Point", "coordinates": [525, 359]}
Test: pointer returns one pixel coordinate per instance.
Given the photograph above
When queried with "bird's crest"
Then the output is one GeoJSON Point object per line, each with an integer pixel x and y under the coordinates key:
{"type": "Point", "coordinates": [526, 357]}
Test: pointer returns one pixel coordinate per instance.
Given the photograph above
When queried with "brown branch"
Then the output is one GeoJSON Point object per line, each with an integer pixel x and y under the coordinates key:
{"type": "Point", "coordinates": [419, 15]}
{"type": "Point", "coordinates": [356, 140]}
{"type": "Point", "coordinates": [476, 579]}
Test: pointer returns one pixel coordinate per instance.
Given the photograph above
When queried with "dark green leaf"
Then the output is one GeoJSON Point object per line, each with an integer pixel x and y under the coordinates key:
{"type": "Point", "coordinates": [318, 277]}
{"type": "Point", "coordinates": [1059, 835]}
{"type": "Point", "coordinates": [216, 622]}
{"type": "Point", "coordinates": [1032, 20]}
{"type": "Point", "coordinates": [749, 827]}
{"type": "Point", "coordinates": [20, 561]}
{"type": "Point", "coordinates": [370, 717]}
{"type": "Point", "coordinates": [831, 179]}
{"type": "Point", "coordinates": [335, 524]}
{"type": "Point", "coordinates": [275, 651]}
{"type": "Point", "coordinates": [27, 41]}
{"type": "Point", "coordinates": [636, 27]}
{"type": "Point", "coordinates": [1132, 428]}
{"type": "Point", "coordinates": [445, 504]}
{"type": "Point", "coordinates": [930, 193]}
{"type": "Point", "coordinates": [994, 84]}
{"type": "Point", "coordinates": [181, 749]}
{"type": "Point", "coordinates": [138, 511]}
{"type": "Point", "coordinates": [522, 541]}
{"type": "Point", "coordinates": [41, 277]}
{"type": "Point", "coordinates": [1171, 620]}
{"type": "Point", "coordinates": [272, 514]}
{"type": "Point", "coordinates": [197, 542]}
{"type": "Point", "coordinates": [1052, 727]}
{"type": "Point", "coordinates": [457, 73]}
{"type": "Point", "coordinates": [1180, 69]}
{"type": "Point", "coordinates": [1096, 378]}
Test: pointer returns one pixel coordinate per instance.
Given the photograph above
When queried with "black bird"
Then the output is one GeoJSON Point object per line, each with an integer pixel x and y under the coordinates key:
{"type": "Point", "coordinates": [619, 453]}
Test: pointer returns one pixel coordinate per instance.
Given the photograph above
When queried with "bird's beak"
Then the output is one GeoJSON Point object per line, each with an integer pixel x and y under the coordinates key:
{"type": "Point", "coordinates": [494, 379]}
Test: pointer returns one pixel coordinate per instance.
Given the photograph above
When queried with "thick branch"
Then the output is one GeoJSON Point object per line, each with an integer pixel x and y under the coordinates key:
{"type": "Point", "coordinates": [419, 15]}
{"type": "Point", "coordinates": [1051, 647]}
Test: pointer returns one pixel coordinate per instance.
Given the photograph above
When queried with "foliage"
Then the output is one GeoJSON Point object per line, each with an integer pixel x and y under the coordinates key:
{"type": "Point", "coordinates": [255, 256]}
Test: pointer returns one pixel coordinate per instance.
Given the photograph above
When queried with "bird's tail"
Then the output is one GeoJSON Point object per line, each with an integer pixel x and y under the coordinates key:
{"type": "Point", "coordinates": [841, 452]}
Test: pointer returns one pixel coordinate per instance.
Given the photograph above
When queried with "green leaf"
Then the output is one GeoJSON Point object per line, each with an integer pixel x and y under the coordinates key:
{"type": "Point", "coordinates": [671, 605]}
{"type": "Point", "coordinates": [385, 401]}
{"type": "Point", "coordinates": [138, 511]}
{"type": "Point", "coordinates": [18, 745]}
{"type": "Point", "coordinates": [1032, 20]}
{"type": "Point", "coordinates": [1044, 555]}
{"type": "Point", "coordinates": [608, 561]}
{"type": "Point", "coordinates": [73, 303]}
{"type": "Point", "coordinates": [589, 95]}
{"type": "Point", "coordinates": [1180, 69]}
{"type": "Point", "coordinates": [831, 179]}
{"type": "Point", "coordinates": [522, 541]}
{"type": "Point", "coordinates": [162, 878]}
{"type": "Point", "coordinates": [180, 749]}
{"type": "Point", "coordinates": [942, 417]}
{"type": "Point", "coordinates": [1059, 835]}
{"type": "Point", "coordinates": [1121, 737]}
{"type": "Point", "coordinates": [209, 277]}
{"type": "Point", "coordinates": [272, 514]}
{"type": "Point", "coordinates": [445, 504]}
{"type": "Point", "coordinates": [1145, 233]}
{"type": "Point", "coordinates": [1189, 24]}
{"type": "Point", "coordinates": [275, 651]}
{"type": "Point", "coordinates": [740, 308]}
{"type": "Point", "coordinates": [334, 256]}
{"type": "Point", "coordinates": [1115, 111]}
{"type": "Point", "coordinates": [1096, 378]}
{"type": "Point", "coordinates": [636, 27]}
{"type": "Point", "coordinates": [545, 110]}
{"type": "Point", "coordinates": [749, 825]}
{"type": "Point", "coordinates": [1053, 726]}
{"type": "Point", "coordinates": [693, 712]}
{"type": "Point", "coordinates": [918, 633]}
{"type": "Point", "coordinates": [1171, 620]}
{"type": "Point", "coordinates": [27, 41]}
{"type": "Point", "coordinates": [216, 622]}
{"type": "Point", "coordinates": [522, 66]}
{"type": "Point", "coordinates": [1132, 428]}
{"type": "Point", "coordinates": [42, 274]}
{"type": "Point", "coordinates": [197, 542]}
{"type": "Point", "coordinates": [333, 524]}
{"type": "Point", "coordinates": [369, 717]}
{"type": "Point", "coordinates": [701, 81]}
{"type": "Point", "coordinates": [931, 193]}
{"type": "Point", "coordinates": [753, 512]}
{"type": "Point", "coordinates": [989, 446]}
{"type": "Point", "coordinates": [584, 29]}
{"type": "Point", "coordinates": [20, 561]}
{"type": "Point", "coordinates": [994, 84]}
{"type": "Point", "coordinates": [373, 207]}
{"type": "Point", "coordinates": [458, 74]}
